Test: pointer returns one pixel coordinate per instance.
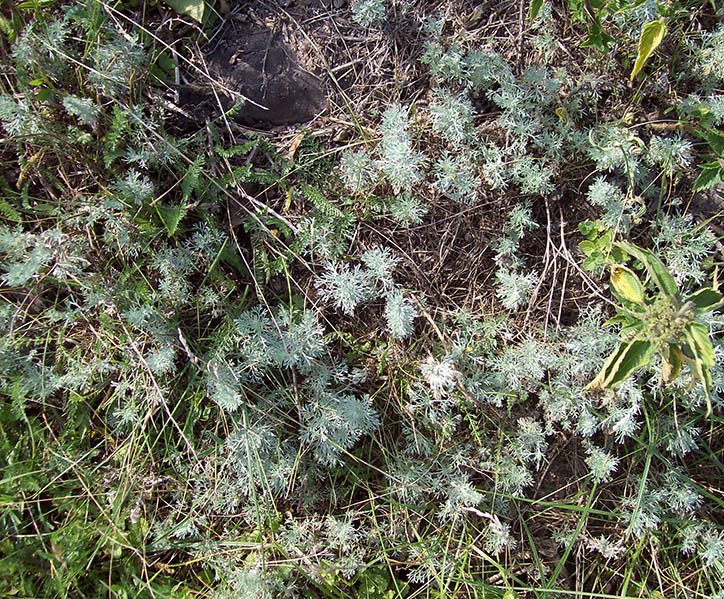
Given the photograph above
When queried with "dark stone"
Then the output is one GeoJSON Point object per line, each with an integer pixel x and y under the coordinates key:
{"type": "Point", "coordinates": [262, 68]}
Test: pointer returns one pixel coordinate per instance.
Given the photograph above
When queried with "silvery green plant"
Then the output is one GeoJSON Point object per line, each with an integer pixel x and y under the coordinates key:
{"type": "Point", "coordinates": [533, 176]}
{"type": "Point", "coordinates": [456, 178]}
{"type": "Point", "coordinates": [84, 109]}
{"type": "Point", "coordinates": [619, 210]}
{"type": "Point", "coordinates": [332, 414]}
{"type": "Point", "coordinates": [116, 60]}
{"type": "Point", "coordinates": [400, 314]}
{"type": "Point", "coordinates": [448, 66]}
{"type": "Point", "coordinates": [348, 286]}
{"type": "Point", "coordinates": [358, 170]}
{"type": "Point", "coordinates": [494, 169]}
{"type": "Point", "coordinates": [601, 463]}
{"type": "Point", "coordinates": [332, 422]}
{"type": "Point", "coordinates": [42, 48]}
{"type": "Point", "coordinates": [514, 287]}
{"type": "Point", "coordinates": [400, 163]}
{"type": "Point", "coordinates": [684, 246]}
{"type": "Point", "coordinates": [669, 155]}
{"type": "Point", "coordinates": [498, 537]}
{"type": "Point", "coordinates": [451, 115]}
{"type": "Point", "coordinates": [380, 262]}
{"type": "Point", "coordinates": [408, 210]}
{"type": "Point", "coordinates": [707, 62]}
{"type": "Point", "coordinates": [368, 12]}
{"type": "Point", "coordinates": [615, 149]}
{"type": "Point", "coordinates": [19, 117]}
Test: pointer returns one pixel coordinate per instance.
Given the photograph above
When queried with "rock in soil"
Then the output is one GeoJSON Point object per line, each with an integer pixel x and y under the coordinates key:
{"type": "Point", "coordinates": [261, 67]}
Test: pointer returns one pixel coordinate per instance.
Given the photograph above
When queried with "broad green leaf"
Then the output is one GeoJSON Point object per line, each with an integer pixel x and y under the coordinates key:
{"type": "Point", "coordinates": [651, 36]}
{"type": "Point", "coordinates": [597, 38]}
{"type": "Point", "coordinates": [699, 370]}
{"type": "Point", "coordinates": [592, 262]}
{"type": "Point", "coordinates": [43, 94]}
{"type": "Point", "coordinates": [699, 335]}
{"type": "Point", "coordinates": [625, 360]}
{"type": "Point", "coordinates": [588, 228]}
{"type": "Point", "coordinates": [705, 300]}
{"type": "Point", "coordinates": [715, 141]}
{"type": "Point", "coordinates": [171, 217]}
{"type": "Point", "coordinates": [672, 360]}
{"type": "Point", "coordinates": [192, 8]}
{"type": "Point", "coordinates": [627, 284]}
{"type": "Point", "coordinates": [618, 319]}
{"type": "Point", "coordinates": [655, 267]}
{"type": "Point", "coordinates": [711, 174]}
{"type": "Point", "coordinates": [35, 4]}
{"type": "Point", "coordinates": [587, 247]}
{"type": "Point", "coordinates": [535, 6]}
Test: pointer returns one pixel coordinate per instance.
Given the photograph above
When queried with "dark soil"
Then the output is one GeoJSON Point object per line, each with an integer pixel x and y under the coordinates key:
{"type": "Point", "coordinates": [259, 69]}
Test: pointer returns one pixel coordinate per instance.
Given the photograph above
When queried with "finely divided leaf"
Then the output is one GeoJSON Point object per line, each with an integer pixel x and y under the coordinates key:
{"type": "Point", "coordinates": [651, 36]}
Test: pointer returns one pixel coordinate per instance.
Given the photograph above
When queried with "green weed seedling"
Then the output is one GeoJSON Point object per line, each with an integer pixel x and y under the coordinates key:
{"type": "Point", "coordinates": [598, 246]}
{"type": "Point", "coordinates": [658, 323]}
{"type": "Point", "coordinates": [712, 172]}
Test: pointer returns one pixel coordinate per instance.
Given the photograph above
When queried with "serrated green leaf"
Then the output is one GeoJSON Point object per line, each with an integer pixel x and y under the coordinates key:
{"type": "Point", "coordinates": [651, 36]}
{"type": "Point", "coordinates": [711, 174]}
{"type": "Point", "coordinates": [705, 300]}
{"type": "Point", "coordinates": [587, 247]}
{"type": "Point", "coordinates": [171, 217]}
{"type": "Point", "coordinates": [191, 177]}
{"type": "Point", "coordinates": [627, 284]}
{"type": "Point", "coordinates": [588, 228]}
{"type": "Point", "coordinates": [618, 319]}
{"type": "Point", "coordinates": [535, 6]}
{"type": "Point", "coordinates": [192, 8]}
{"type": "Point", "coordinates": [655, 267]}
{"type": "Point", "coordinates": [591, 263]}
{"type": "Point", "coordinates": [715, 141]}
{"type": "Point", "coordinates": [598, 39]}
{"type": "Point", "coordinates": [6, 26]}
{"type": "Point", "coordinates": [627, 358]}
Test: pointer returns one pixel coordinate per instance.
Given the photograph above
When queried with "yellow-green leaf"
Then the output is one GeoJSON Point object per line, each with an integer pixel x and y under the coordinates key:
{"type": "Point", "coordinates": [192, 8]}
{"type": "Point", "coordinates": [672, 360]}
{"type": "Point", "coordinates": [700, 338]}
{"type": "Point", "coordinates": [651, 36]}
{"type": "Point", "coordinates": [624, 361]}
{"type": "Point", "coordinates": [655, 267]}
{"type": "Point", "coordinates": [627, 284]}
